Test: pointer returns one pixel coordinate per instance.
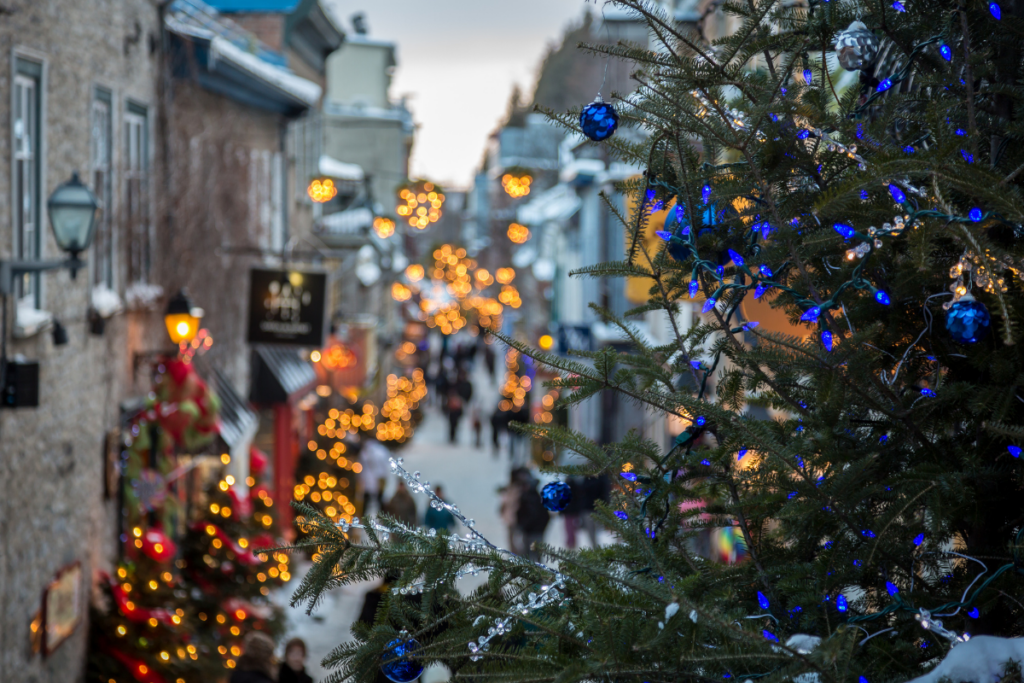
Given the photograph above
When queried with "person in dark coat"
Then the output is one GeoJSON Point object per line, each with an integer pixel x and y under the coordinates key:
{"type": "Point", "coordinates": [531, 516]}
{"type": "Point", "coordinates": [402, 506]}
{"type": "Point", "coordinates": [438, 519]}
{"type": "Point", "coordinates": [454, 416]}
{"type": "Point", "coordinates": [293, 668]}
{"type": "Point", "coordinates": [256, 665]}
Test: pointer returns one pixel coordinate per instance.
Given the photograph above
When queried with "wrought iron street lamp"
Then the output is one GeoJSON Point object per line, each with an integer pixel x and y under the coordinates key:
{"type": "Point", "coordinates": [72, 208]}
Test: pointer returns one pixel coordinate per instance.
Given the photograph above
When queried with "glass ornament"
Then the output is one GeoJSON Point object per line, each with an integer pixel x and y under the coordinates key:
{"type": "Point", "coordinates": [396, 662]}
{"type": "Point", "coordinates": [556, 496]}
{"type": "Point", "coordinates": [599, 120]}
{"type": "Point", "coordinates": [968, 320]}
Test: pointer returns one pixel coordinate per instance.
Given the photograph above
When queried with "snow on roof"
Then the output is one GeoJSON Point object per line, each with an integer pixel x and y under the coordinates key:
{"type": "Point", "coordinates": [307, 91]}
{"type": "Point", "coordinates": [329, 166]}
{"type": "Point", "coordinates": [557, 204]}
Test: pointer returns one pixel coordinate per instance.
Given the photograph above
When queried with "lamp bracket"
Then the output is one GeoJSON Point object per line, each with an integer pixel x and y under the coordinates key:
{"type": "Point", "coordinates": [10, 270]}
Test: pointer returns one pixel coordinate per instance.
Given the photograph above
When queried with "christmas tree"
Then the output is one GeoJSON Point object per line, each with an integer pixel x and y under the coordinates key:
{"type": "Point", "coordinates": [874, 220]}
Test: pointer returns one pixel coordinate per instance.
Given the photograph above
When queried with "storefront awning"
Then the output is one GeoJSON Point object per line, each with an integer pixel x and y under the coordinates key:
{"type": "Point", "coordinates": [238, 422]}
{"type": "Point", "coordinates": [280, 375]}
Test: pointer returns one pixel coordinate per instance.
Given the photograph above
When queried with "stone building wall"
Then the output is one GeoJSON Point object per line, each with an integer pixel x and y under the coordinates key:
{"type": "Point", "coordinates": [53, 508]}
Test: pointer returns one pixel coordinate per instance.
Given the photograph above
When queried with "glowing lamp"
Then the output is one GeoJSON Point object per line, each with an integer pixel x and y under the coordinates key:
{"type": "Point", "coordinates": [546, 342]}
{"type": "Point", "coordinates": [72, 208]}
{"type": "Point", "coordinates": [181, 318]}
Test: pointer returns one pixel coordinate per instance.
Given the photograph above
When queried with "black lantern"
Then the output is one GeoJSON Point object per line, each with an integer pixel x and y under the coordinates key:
{"type": "Point", "coordinates": [72, 208]}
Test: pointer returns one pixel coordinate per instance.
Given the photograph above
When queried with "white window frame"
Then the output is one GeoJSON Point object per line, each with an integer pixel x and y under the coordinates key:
{"type": "Point", "coordinates": [101, 172]}
{"type": "Point", "coordinates": [136, 198]}
{"type": "Point", "coordinates": [26, 175]}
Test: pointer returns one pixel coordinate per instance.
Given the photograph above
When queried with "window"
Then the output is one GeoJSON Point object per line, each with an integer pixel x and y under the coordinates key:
{"type": "Point", "coordinates": [100, 163]}
{"type": "Point", "coordinates": [26, 145]}
{"type": "Point", "coordinates": [136, 154]}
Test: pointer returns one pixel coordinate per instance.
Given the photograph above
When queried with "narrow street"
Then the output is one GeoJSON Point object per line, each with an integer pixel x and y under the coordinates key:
{"type": "Point", "coordinates": [470, 477]}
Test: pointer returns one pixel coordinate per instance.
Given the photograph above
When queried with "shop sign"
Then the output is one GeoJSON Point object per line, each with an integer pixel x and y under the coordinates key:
{"type": "Point", "coordinates": [287, 307]}
{"type": "Point", "coordinates": [62, 607]}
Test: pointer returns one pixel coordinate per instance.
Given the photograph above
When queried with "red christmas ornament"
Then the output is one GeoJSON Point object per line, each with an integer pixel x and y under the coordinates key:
{"type": "Point", "coordinates": [258, 461]}
{"type": "Point", "coordinates": [157, 546]}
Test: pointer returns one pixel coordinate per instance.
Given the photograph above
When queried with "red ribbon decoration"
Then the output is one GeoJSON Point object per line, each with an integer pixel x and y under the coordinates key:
{"type": "Point", "coordinates": [133, 612]}
{"type": "Point", "coordinates": [244, 556]}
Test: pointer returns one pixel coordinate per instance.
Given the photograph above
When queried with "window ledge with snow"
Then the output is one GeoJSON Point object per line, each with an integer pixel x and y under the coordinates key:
{"type": "Point", "coordinates": [30, 321]}
{"type": "Point", "coordinates": [105, 301]}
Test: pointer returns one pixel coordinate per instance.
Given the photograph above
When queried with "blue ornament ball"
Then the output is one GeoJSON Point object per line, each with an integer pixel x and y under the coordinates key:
{"type": "Point", "coordinates": [968, 321]}
{"type": "Point", "coordinates": [396, 663]}
{"type": "Point", "coordinates": [556, 496]}
{"type": "Point", "coordinates": [599, 120]}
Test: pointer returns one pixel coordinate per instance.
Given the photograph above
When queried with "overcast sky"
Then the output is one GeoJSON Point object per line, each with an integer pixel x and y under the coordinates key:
{"type": "Point", "coordinates": [458, 60]}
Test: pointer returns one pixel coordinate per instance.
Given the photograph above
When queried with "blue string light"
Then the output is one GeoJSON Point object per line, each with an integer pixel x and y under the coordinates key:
{"type": "Point", "coordinates": [628, 476]}
{"type": "Point", "coordinates": [709, 304]}
{"type": "Point", "coordinates": [736, 258]}
{"type": "Point", "coordinates": [705, 193]}
{"type": "Point", "coordinates": [974, 214]}
{"type": "Point", "coordinates": [841, 602]}
{"type": "Point", "coordinates": [919, 539]}
{"type": "Point", "coordinates": [770, 636]}
{"type": "Point", "coordinates": [927, 392]}
{"type": "Point", "coordinates": [766, 271]}
{"type": "Point", "coordinates": [843, 229]}
{"type": "Point", "coordinates": [760, 289]}
{"type": "Point", "coordinates": [1014, 451]}
{"type": "Point", "coordinates": [882, 298]}
{"type": "Point", "coordinates": [762, 600]}
{"type": "Point", "coordinates": [808, 76]}
{"type": "Point", "coordinates": [994, 9]}
{"type": "Point", "coordinates": [694, 288]}
{"type": "Point", "coordinates": [892, 588]}
{"type": "Point", "coordinates": [740, 454]}
{"type": "Point", "coordinates": [867, 533]}
{"type": "Point", "coordinates": [811, 314]}
{"type": "Point", "coordinates": [621, 515]}
{"type": "Point", "coordinates": [700, 421]}
{"type": "Point", "coordinates": [973, 613]}
{"type": "Point", "coordinates": [826, 340]}
{"type": "Point", "coordinates": [663, 234]}
{"type": "Point", "coordinates": [884, 85]}
{"type": "Point", "coordinates": [898, 6]}
{"type": "Point", "coordinates": [897, 194]}
{"type": "Point", "coordinates": [946, 52]}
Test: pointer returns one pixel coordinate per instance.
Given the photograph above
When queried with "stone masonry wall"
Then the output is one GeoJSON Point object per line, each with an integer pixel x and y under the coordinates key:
{"type": "Point", "coordinates": [52, 506]}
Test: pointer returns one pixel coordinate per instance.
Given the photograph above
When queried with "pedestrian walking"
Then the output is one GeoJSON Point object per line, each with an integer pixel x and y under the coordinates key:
{"type": "Point", "coordinates": [293, 668]}
{"type": "Point", "coordinates": [499, 423]}
{"type": "Point", "coordinates": [531, 516]}
{"type": "Point", "coordinates": [438, 519]}
{"type": "Point", "coordinates": [454, 416]}
{"type": "Point", "coordinates": [402, 506]}
{"type": "Point", "coordinates": [489, 360]}
{"type": "Point", "coordinates": [376, 461]}
{"type": "Point", "coordinates": [463, 387]}
{"type": "Point", "coordinates": [478, 427]}
{"type": "Point", "coordinates": [256, 665]}
{"type": "Point", "coordinates": [509, 508]}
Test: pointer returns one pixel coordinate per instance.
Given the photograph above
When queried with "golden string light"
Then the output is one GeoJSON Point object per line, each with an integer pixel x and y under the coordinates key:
{"type": "Point", "coordinates": [321, 191]}
{"type": "Point", "coordinates": [404, 396]}
{"type": "Point", "coordinates": [518, 233]}
{"type": "Point", "coordinates": [420, 204]}
{"type": "Point", "coordinates": [514, 388]}
{"type": "Point", "coordinates": [400, 292]}
{"type": "Point", "coordinates": [505, 275]}
{"type": "Point", "coordinates": [384, 227]}
{"type": "Point", "coordinates": [516, 186]}
{"type": "Point", "coordinates": [415, 272]}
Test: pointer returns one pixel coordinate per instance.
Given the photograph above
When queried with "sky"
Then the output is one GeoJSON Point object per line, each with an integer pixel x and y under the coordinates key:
{"type": "Point", "coordinates": [457, 62]}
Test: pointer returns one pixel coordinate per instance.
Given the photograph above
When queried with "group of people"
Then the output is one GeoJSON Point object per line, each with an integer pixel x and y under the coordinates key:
{"type": "Point", "coordinates": [258, 664]}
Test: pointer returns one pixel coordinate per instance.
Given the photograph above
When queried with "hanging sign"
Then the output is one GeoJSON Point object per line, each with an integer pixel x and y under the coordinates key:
{"type": "Point", "coordinates": [287, 307]}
